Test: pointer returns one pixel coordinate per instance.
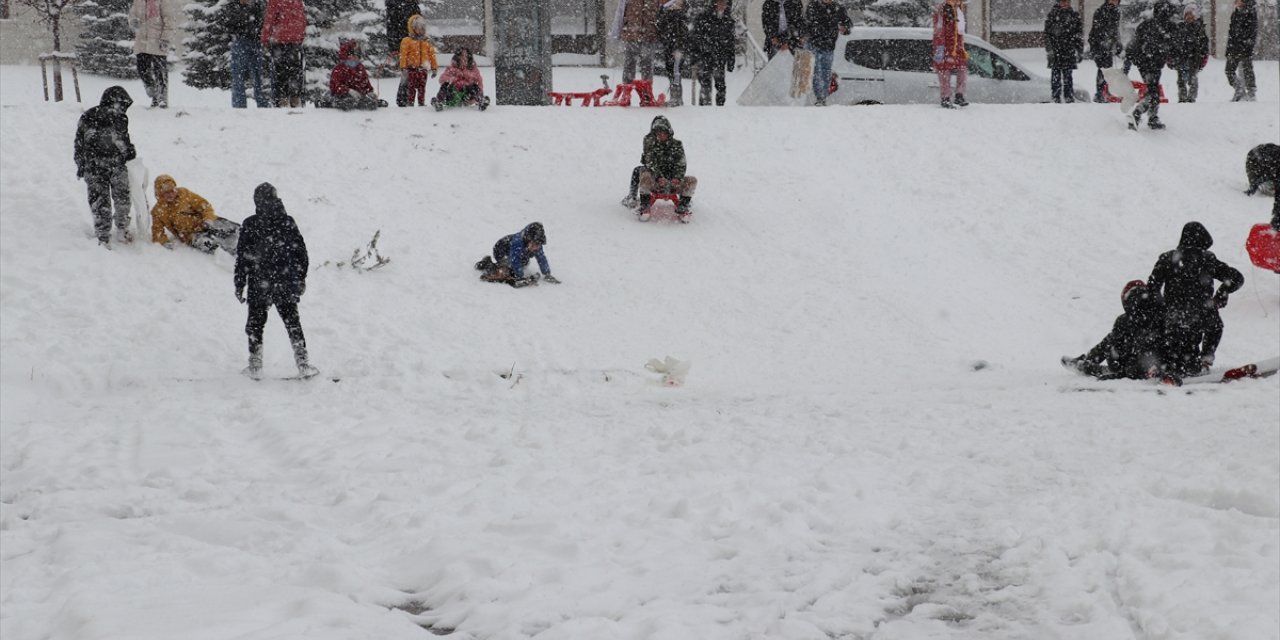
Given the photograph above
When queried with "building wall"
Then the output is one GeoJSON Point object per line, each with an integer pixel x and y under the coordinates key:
{"type": "Point", "coordinates": [23, 38]}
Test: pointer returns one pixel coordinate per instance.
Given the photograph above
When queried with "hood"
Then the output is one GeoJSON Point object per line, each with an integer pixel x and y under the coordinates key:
{"type": "Point", "coordinates": [1164, 11]}
{"type": "Point", "coordinates": [116, 96]}
{"type": "Point", "coordinates": [534, 233]}
{"type": "Point", "coordinates": [1195, 236]}
{"type": "Point", "coordinates": [660, 123]}
{"type": "Point", "coordinates": [1137, 298]}
{"type": "Point", "coordinates": [414, 19]}
{"type": "Point", "coordinates": [350, 50]}
{"type": "Point", "coordinates": [266, 202]}
{"type": "Point", "coordinates": [165, 183]}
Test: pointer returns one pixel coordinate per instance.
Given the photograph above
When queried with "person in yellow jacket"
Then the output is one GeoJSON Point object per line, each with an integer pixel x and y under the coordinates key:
{"type": "Point", "coordinates": [190, 219]}
{"type": "Point", "coordinates": [416, 54]}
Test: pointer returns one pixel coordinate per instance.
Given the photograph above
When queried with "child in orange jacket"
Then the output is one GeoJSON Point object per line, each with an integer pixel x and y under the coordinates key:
{"type": "Point", "coordinates": [416, 53]}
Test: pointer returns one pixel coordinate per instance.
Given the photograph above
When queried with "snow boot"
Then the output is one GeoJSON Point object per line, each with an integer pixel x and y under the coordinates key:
{"type": "Point", "coordinates": [643, 211]}
{"type": "Point", "coordinates": [254, 370]}
{"type": "Point", "coordinates": [484, 103]}
{"type": "Point", "coordinates": [946, 103]}
{"type": "Point", "coordinates": [682, 208]}
{"type": "Point", "coordinates": [1155, 123]}
{"type": "Point", "coordinates": [305, 370]}
{"type": "Point", "coordinates": [960, 101]}
{"type": "Point", "coordinates": [436, 104]}
{"type": "Point", "coordinates": [630, 201]}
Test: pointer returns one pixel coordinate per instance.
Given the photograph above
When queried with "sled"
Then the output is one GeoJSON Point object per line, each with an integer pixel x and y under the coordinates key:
{"type": "Point", "coordinates": [459, 99]}
{"type": "Point", "coordinates": [643, 90]}
{"type": "Point", "coordinates": [1119, 88]}
{"type": "Point", "coordinates": [1263, 247]}
{"type": "Point", "coordinates": [662, 206]}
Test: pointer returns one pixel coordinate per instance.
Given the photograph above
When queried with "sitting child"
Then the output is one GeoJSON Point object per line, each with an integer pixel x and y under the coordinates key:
{"type": "Point", "coordinates": [349, 86]}
{"type": "Point", "coordinates": [461, 83]}
{"type": "Point", "coordinates": [190, 219]}
{"type": "Point", "coordinates": [416, 54]}
{"type": "Point", "coordinates": [512, 253]}
{"type": "Point", "coordinates": [664, 171]}
{"type": "Point", "coordinates": [1132, 349]}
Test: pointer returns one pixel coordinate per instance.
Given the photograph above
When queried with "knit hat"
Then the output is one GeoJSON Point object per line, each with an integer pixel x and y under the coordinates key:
{"type": "Point", "coordinates": [1130, 287]}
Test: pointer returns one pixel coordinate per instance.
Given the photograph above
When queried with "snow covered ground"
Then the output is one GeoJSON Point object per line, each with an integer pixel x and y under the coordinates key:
{"type": "Point", "coordinates": [875, 440]}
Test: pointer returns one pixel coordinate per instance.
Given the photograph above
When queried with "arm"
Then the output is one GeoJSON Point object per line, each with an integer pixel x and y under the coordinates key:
{"type": "Point", "coordinates": [431, 56]}
{"type": "Point", "coordinates": [79, 154]}
{"type": "Point", "coordinates": [158, 218]}
{"type": "Point", "coordinates": [1230, 277]}
{"type": "Point", "coordinates": [542, 262]}
{"type": "Point", "coordinates": [269, 17]}
{"type": "Point", "coordinates": [515, 257]}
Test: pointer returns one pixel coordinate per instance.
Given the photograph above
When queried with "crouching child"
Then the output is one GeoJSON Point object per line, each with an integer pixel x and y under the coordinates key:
{"type": "Point", "coordinates": [349, 86]}
{"type": "Point", "coordinates": [511, 254]}
{"type": "Point", "coordinates": [1132, 349]}
{"type": "Point", "coordinates": [190, 219]}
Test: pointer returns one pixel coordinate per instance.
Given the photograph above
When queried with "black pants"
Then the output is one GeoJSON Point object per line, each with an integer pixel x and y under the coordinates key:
{"type": "Point", "coordinates": [154, 71]}
{"type": "Point", "coordinates": [706, 74]}
{"type": "Point", "coordinates": [1150, 103]}
{"type": "Point", "coordinates": [287, 81]}
{"type": "Point", "coordinates": [1062, 85]}
{"type": "Point", "coordinates": [1103, 62]}
{"type": "Point", "coordinates": [108, 187]}
{"type": "Point", "coordinates": [1189, 335]}
{"type": "Point", "coordinates": [292, 323]}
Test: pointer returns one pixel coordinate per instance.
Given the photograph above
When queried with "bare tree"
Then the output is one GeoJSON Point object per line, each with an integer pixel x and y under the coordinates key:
{"type": "Point", "coordinates": [50, 12]}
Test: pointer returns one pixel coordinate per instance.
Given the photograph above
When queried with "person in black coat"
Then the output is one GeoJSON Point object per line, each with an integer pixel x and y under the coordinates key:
{"type": "Point", "coordinates": [712, 42]}
{"type": "Point", "coordinates": [398, 14]}
{"type": "Point", "coordinates": [1064, 45]}
{"type": "Point", "coordinates": [102, 147]}
{"type": "Point", "coordinates": [1185, 277]}
{"type": "Point", "coordinates": [825, 21]}
{"type": "Point", "coordinates": [1149, 50]}
{"type": "Point", "coordinates": [1190, 52]}
{"type": "Point", "coordinates": [1132, 349]}
{"type": "Point", "coordinates": [783, 22]}
{"type": "Point", "coordinates": [1104, 41]}
{"type": "Point", "coordinates": [244, 24]}
{"type": "Point", "coordinates": [1242, 36]}
{"type": "Point", "coordinates": [673, 35]}
{"type": "Point", "coordinates": [272, 263]}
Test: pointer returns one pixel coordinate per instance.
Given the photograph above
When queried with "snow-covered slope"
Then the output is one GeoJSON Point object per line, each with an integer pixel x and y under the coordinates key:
{"type": "Point", "coordinates": [875, 439]}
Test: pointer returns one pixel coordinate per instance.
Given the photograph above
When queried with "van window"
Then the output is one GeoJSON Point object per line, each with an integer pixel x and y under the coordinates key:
{"type": "Point", "coordinates": [985, 64]}
{"type": "Point", "coordinates": [908, 55]}
{"type": "Point", "coordinates": [865, 53]}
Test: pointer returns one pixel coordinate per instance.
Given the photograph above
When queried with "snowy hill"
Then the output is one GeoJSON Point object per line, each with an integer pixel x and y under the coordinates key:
{"type": "Point", "coordinates": [875, 439]}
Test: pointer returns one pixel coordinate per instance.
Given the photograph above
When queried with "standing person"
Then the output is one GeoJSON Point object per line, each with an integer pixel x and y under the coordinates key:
{"type": "Point", "coordinates": [1190, 52]}
{"type": "Point", "coordinates": [636, 24]}
{"type": "Point", "coordinates": [1064, 45]}
{"type": "Point", "coordinates": [783, 22]}
{"type": "Point", "coordinates": [271, 261]}
{"type": "Point", "coordinates": [152, 25]}
{"type": "Point", "coordinates": [949, 55]}
{"type": "Point", "coordinates": [398, 14]}
{"type": "Point", "coordinates": [712, 40]}
{"type": "Point", "coordinates": [284, 27]}
{"type": "Point", "coordinates": [244, 23]}
{"type": "Point", "coordinates": [416, 55]}
{"type": "Point", "coordinates": [102, 148]}
{"type": "Point", "coordinates": [825, 21]}
{"type": "Point", "coordinates": [1242, 35]}
{"type": "Point", "coordinates": [1184, 277]}
{"type": "Point", "coordinates": [190, 218]}
{"type": "Point", "coordinates": [673, 34]}
{"type": "Point", "coordinates": [1149, 49]}
{"type": "Point", "coordinates": [1104, 41]}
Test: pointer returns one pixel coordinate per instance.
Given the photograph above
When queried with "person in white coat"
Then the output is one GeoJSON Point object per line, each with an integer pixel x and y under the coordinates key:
{"type": "Point", "coordinates": [152, 23]}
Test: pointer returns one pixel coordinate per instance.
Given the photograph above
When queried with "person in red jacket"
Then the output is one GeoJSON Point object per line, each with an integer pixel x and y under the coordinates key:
{"type": "Point", "coordinates": [461, 83]}
{"type": "Point", "coordinates": [284, 27]}
{"type": "Point", "coordinates": [949, 55]}
{"type": "Point", "coordinates": [349, 86]}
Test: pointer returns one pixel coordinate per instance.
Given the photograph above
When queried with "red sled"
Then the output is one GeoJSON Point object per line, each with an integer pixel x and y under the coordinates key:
{"type": "Point", "coordinates": [1263, 247]}
{"type": "Point", "coordinates": [1140, 87]}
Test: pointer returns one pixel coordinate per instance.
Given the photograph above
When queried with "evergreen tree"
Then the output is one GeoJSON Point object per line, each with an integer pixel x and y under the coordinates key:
{"type": "Point", "coordinates": [897, 13]}
{"type": "Point", "coordinates": [105, 38]}
{"type": "Point", "coordinates": [208, 54]}
{"type": "Point", "coordinates": [332, 22]}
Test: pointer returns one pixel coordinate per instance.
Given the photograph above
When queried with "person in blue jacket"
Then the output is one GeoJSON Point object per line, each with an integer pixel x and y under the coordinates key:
{"type": "Point", "coordinates": [511, 254]}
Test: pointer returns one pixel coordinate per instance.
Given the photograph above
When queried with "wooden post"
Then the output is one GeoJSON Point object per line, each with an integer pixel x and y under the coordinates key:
{"type": "Point", "coordinates": [57, 79]}
{"type": "Point", "coordinates": [75, 79]}
{"type": "Point", "coordinates": [44, 79]}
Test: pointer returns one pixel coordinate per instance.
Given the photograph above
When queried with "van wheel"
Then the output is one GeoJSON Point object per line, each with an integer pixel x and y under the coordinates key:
{"type": "Point", "coordinates": [867, 102]}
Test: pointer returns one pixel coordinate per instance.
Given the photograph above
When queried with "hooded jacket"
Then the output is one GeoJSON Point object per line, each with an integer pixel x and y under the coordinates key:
{"type": "Point", "coordinates": [824, 20]}
{"type": "Point", "coordinates": [771, 13]}
{"type": "Point", "coordinates": [271, 257]}
{"type": "Point", "coordinates": [1152, 43]}
{"type": "Point", "coordinates": [417, 52]}
{"type": "Point", "coordinates": [184, 217]}
{"type": "Point", "coordinates": [1190, 44]}
{"type": "Point", "coordinates": [102, 137]}
{"type": "Point", "coordinates": [151, 33]}
{"type": "Point", "coordinates": [244, 20]}
{"type": "Point", "coordinates": [712, 40]}
{"type": "Point", "coordinates": [460, 76]}
{"type": "Point", "coordinates": [1063, 37]}
{"type": "Point", "coordinates": [513, 251]}
{"type": "Point", "coordinates": [1185, 276]}
{"type": "Point", "coordinates": [1104, 33]}
{"type": "Point", "coordinates": [1242, 35]}
{"type": "Point", "coordinates": [1132, 348]}
{"type": "Point", "coordinates": [664, 159]}
{"type": "Point", "coordinates": [948, 39]}
{"type": "Point", "coordinates": [349, 74]}
{"type": "Point", "coordinates": [284, 22]}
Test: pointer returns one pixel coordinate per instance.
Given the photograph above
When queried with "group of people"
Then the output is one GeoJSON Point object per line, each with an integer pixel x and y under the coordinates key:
{"type": "Point", "coordinates": [1171, 36]}
{"type": "Point", "coordinates": [790, 26]}
{"type": "Point", "coordinates": [705, 41]}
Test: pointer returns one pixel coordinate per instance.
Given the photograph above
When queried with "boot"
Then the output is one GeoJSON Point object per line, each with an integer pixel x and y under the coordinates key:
{"type": "Point", "coordinates": [683, 207]}
{"type": "Point", "coordinates": [254, 370]}
{"type": "Point", "coordinates": [946, 103]}
{"type": "Point", "coordinates": [1155, 123]}
{"type": "Point", "coordinates": [643, 210]}
{"type": "Point", "coordinates": [960, 101]}
{"type": "Point", "coordinates": [305, 370]}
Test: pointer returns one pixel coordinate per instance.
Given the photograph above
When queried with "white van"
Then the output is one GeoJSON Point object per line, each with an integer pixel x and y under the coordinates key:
{"type": "Point", "coordinates": [893, 65]}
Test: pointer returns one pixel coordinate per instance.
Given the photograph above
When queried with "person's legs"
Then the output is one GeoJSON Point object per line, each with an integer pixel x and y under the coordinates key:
{"type": "Point", "coordinates": [1068, 85]}
{"type": "Point", "coordinates": [630, 55]}
{"type": "Point", "coordinates": [674, 91]}
{"type": "Point", "coordinates": [1055, 83]}
{"type": "Point", "coordinates": [293, 324]}
{"type": "Point", "coordinates": [121, 198]}
{"type": "Point", "coordinates": [944, 85]}
{"type": "Point", "coordinates": [704, 84]}
{"type": "Point", "coordinates": [1212, 327]}
{"type": "Point", "coordinates": [239, 69]}
{"type": "Point", "coordinates": [253, 328]}
{"type": "Point", "coordinates": [253, 58]}
{"type": "Point", "coordinates": [145, 74]}
{"type": "Point", "coordinates": [1233, 64]}
{"type": "Point", "coordinates": [1246, 75]}
{"type": "Point", "coordinates": [1101, 81]}
{"type": "Point", "coordinates": [647, 51]}
{"type": "Point", "coordinates": [1151, 101]}
{"type": "Point", "coordinates": [717, 73]}
{"type": "Point", "coordinates": [1193, 83]}
{"type": "Point", "coordinates": [962, 79]}
{"type": "Point", "coordinates": [98, 186]}
{"type": "Point", "coordinates": [821, 73]}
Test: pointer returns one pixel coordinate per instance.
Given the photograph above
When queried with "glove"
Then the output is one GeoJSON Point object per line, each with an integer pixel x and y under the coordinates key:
{"type": "Point", "coordinates": [164, 45]}
{"type": "Point", "coordinates": [404, 74]}
{"type": "Point", "coordinates": [169, 246]}
{"type": "Point", "coordinates": [663, 184]}
{"type": "Point", "coordinates": [1220, 300]}
{"type": "Point", "coordinates": [550, 278]}
{"type": "Point", "coordinates": [240, 295]}
{"type": "Point", "coordinates": [434, 72]}
{"type": "Point", "coordinates": [302, 289]}
{"type": "Point", "coordinates": [80, 173]}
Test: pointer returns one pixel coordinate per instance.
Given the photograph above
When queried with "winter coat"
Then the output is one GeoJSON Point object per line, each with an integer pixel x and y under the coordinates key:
{"type": "Point", "coordinates": [244, 20]}
{"type": "Point", "coordinates": [1190, 45]}
{"type": "Point", "coordinates": [349, 74]}
{"type": "Point", "coordinates": [664, 159]}
{"type": "Point", "coordinates": [1063, 37]}
{"type": "Point", "coordinates": [516, 250]}
{"type": "Point", "coordinates": [640, 20]}
{"type": "Point", "coordinates": [673, 28]}
{"type": "Point", "coordinates": [417, 52]}
{"type": "Point", "coordinates": [711, 44]}
{"type": "Point", "coordinates": [793, 11]}
{"type": "Point", "coordinates": [1185, 275]}
{"type": "Point", "coordinates": [1104, 34]}
{"type": "Point", "coordinates": [284, 22]}
{"type": "Point", "coordinates": [949, 53]}
{"type": "Point", "coordinates": [460, 77]}
{"type": "Point", "coordinates": [271, 258]}
{"type": "Point", "coordinates": [184, 217]}
{"type": "Point", "coordinates": [659, 122]}
{"type": "Point", "coordinates": [1152, 44]}
{"type": "Point", "coordinates": [1242, 35]}
{"type": "Point", "coordinates": [102, 138]}
{"type": "Point", "coordinates": [824, 21]}
{"type": "Point", "coordinates": [398, 14]}
{"type": "Point", "coordinates": [152, 29]}
{"type": "Point", "coordinates": [1133, 347]}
